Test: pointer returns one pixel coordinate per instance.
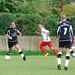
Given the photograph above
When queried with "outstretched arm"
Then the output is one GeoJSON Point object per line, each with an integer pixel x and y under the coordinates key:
{"type": "Point", "coordinates": [38, 33]}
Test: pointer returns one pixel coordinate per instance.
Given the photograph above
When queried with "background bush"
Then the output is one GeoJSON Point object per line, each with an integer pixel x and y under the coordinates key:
{"type": "Point", "coordinates": [5, 21]}
{"type": "Point", "coordinates": [28, 23]}
{"type": "Point", "coordinates": [28, 13]}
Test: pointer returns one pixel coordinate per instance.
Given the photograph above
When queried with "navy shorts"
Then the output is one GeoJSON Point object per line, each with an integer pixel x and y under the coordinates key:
{"type": "Point", "coordinates": [11, 44]}
{"type": "Point", "coordinates": [65, 44]}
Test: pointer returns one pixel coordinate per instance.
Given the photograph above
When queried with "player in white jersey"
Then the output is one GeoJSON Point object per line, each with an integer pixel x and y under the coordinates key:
{"type": "Point", "coordinates": [46, 41]}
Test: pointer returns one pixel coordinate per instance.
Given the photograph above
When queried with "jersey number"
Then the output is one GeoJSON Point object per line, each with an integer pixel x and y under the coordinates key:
{"type": "Point", "coordinates": [65, 31]}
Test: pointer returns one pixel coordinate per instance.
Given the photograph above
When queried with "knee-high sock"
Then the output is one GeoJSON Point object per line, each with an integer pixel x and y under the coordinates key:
{"type": "Point", "coordinates": [8, 53]}
{"type": "Point", "coordinates": [21, 53]}
{"type": "Point", "coordinates": [59, 58]}
{"type": "Point", "coordinates": [67, 60]}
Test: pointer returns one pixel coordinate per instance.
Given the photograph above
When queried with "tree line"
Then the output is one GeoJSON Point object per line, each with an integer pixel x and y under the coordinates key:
{"type": "Point", "coordinates": [28, 13]}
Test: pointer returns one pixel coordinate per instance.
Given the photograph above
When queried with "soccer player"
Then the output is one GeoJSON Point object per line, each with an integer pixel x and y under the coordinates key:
{"type": "Point", "coordinates": [71, 50]}
{"type": "Point", "coordinates": [12, 35]}
{"type": "Point", "coordinates": [46, 41]}
{"type": "Point", "coordinates": [64, 35]}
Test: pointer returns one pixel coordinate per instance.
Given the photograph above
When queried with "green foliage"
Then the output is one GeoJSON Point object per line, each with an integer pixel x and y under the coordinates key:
{"type": "Point", "coordinates": [73, 21]}
{"type": "Point", "coordinates": [7, 6]}
{"type": "Point", "coordinates": [28, 52]}
{"type": "Point", "coordinates": [51, 25]}
{"type": "Point", "coordinates": [28, 13]}
{"type": "Point", "coordinates": [5, 21]}
{"type": "Point", "coordinates": [56, 11]}
{"type": "Point", "coordinates": [69, 10]}
{"type": "Point", "coordinates": [29, 9]}
{"type": "Point", "coordinates": [28, 24]}
{"type": "Point", "coordinates": [68, 1]}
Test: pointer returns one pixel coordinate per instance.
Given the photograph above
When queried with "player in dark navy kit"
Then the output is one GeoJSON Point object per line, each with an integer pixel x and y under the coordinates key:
{"type": "Point", "coordinates": [12, 33]}
{"type": "Point", "coordinates": [72, 47]}
{"type": "Point", "coordinates": [64, 35]}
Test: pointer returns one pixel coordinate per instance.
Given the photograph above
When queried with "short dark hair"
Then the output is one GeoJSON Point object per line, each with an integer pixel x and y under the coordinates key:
{"type": "Point", "coordinates": [13, 22]}
{"type": "Point", "coordinates": [42, 24]}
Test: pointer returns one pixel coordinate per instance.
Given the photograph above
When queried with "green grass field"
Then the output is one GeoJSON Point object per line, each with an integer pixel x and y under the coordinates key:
{"type": "Point", "coordinates": [34, 65]}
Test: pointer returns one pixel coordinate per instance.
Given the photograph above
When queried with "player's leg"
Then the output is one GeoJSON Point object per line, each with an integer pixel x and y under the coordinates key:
{"type": "Point", "coordinates": [42, 44]}
{"type": "Point", "coordinates": [51, 47]}
{"type": "Point", "coordinates": [19, 50]}
{"type": "Point", "coordinates": [67, 57]}
{"type": "Point", "coordinates": [61, 46]}
{"type": "Point", "coordinates": [10, 50]}
{"type": "Point", "coordinates": [59, 58]}
{"type": "Point", "coordinates": [72, 52]}
{"type": "Point", "coordinates": [10, 45]}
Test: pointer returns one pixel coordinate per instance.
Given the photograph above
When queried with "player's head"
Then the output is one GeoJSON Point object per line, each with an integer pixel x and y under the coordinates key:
{"type": "Point", "coordinates": [13, 24]}
{"type": "Point", "coordinates": [64, 18]}
{"type": "Point", "coordinates": [41, 25]}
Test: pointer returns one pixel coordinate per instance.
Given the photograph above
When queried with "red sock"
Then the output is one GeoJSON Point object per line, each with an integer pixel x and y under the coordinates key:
{"type": "Point", "coordinates": [55, 52]}
{"type": "Point", "coordinates": [43, 50]}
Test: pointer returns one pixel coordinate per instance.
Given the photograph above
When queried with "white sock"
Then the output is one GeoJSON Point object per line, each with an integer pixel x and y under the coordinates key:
{"type": "Point", "coordinates": [22, 55]}
{"type": "Point", "coordinates": [67, 60]}
{"type": "Point", "coordinates": [59, 61]}
{"type": "Point", "coordinates": [70, 49]}
{"type": "Point", "coordinates": [66, 63]}
{"type": "Point", "coordinates": [20, 50]}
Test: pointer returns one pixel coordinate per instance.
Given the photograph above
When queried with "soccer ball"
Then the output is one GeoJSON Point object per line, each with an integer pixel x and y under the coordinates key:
{"type": "Point", "coordinates": [7, 57]}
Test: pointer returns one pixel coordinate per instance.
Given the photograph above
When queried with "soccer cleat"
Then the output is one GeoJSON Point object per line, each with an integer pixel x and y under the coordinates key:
{"type": "Point", "coordinates": [24, 58]}
{"type": "Point", "coordinates": [46, 55]}
{"type": "Point", "coordinates": [65, 68]}
{"type": "Point", "coordinates": [59, 67]}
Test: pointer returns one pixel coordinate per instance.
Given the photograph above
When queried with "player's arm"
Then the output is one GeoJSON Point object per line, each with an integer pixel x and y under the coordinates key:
{"type": "Point", "coordinates": [19, 32]}
{"type": "Point", "coordinates": [74, 39]}
{"type": "Point", "coordinates": [38, 32]}
{"type": "Point", "coordinates": [57, 38]}
{"type": "Point", "coordinates": [8, 36]}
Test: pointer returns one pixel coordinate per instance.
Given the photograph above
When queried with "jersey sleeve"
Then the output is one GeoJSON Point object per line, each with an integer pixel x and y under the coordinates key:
{"type": "Point", "coordinates": [44, 30]}
{"type": "Point", "coordinates": [72, 30]}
